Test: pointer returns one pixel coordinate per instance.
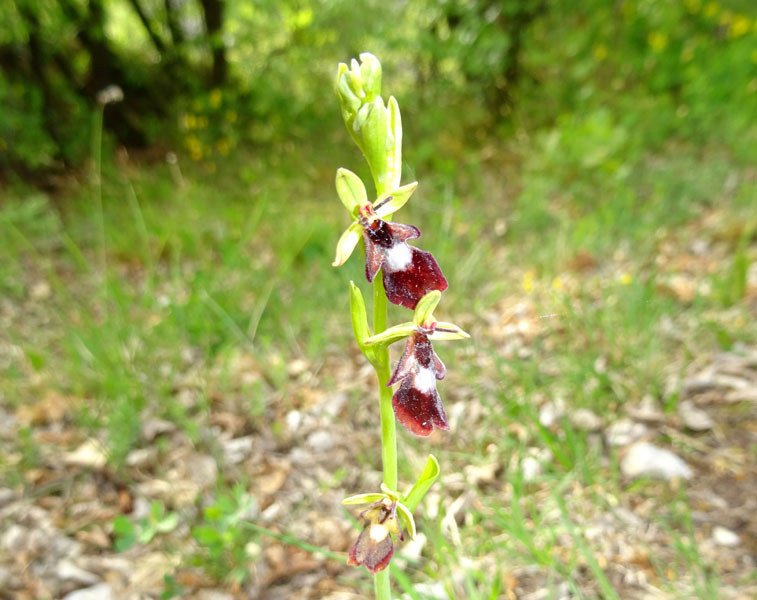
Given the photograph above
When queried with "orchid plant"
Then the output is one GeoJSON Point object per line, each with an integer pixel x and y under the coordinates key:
{"type": "Point", "coordinates": [410, 277]}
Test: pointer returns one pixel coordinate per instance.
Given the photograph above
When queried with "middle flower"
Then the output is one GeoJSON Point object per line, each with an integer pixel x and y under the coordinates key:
{"type": "Point", "coordinates": [408, 272]}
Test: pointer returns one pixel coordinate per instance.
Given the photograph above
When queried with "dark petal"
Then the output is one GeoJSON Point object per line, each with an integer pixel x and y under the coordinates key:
{"type": "Point", "coordinates": [406, 364]}
{"type": "Point", "coordinates": [374, 256]}
{"type": "Point", "coordinates": [419, 411]}
{"type": "Point", "coordinates": [408, 286]}
{"type": "Point", "coordinates": [439, 369]}
{"type": "Point", "coordinates": [375, 555]}
{"type": "Point", "coordinates": [402, 232]}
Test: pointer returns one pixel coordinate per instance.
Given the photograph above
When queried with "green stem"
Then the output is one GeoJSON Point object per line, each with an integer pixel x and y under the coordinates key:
{"type": "Point", "coordinates": [382, 585]}
{"type": "Point", "coordinates": [382, 582]}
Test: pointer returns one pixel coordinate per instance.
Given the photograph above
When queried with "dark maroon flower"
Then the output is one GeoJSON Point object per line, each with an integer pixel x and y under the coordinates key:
{"type": "Point", "coordinates": [416, 403]}
{"type": "Point", "coordinates": [408, 272]}
{"type": "Point", "coordinates": [374, 546]}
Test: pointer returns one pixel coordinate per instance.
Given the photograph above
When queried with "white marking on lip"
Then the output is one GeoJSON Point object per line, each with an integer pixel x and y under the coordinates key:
{"type": "Point", "coordinates": [378, 532]}
{"type": "Point", "coordinates": [424, 381]}
{"type": "Point", "coordinates": [398, 257]}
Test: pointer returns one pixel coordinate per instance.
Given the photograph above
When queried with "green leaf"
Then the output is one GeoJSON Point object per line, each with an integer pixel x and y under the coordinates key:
{"type": "Point", "coordinates": [126, 535]}
{"type": "Point", "coordinates": [423, 484]}
{"type": "Point", "coordinates": [167, 523]}
{"type": "Point", "coordinates": [425, 307]}
{"type": "Point", "coordinates": [351, 191]}
{"type": "Point", "coordinates": [358, 315]}
{"type": "Point", "coordinates": [207, 536]}
{"type": "Point", "coordinates": [363, 499]}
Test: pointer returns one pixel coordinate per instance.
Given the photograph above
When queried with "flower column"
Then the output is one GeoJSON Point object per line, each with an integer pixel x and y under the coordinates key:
{"type": "Point", "coordinates": [410, 277]}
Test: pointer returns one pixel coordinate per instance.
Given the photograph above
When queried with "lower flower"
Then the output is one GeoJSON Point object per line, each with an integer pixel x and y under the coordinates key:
{"type": "Point", "coordinates": [374, 546]}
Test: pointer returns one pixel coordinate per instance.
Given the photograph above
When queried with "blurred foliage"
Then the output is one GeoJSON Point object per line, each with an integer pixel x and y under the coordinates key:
{"type": "Point", "coordinates": [614, 76]}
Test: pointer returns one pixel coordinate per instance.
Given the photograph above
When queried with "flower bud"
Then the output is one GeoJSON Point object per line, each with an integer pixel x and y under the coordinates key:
{"type": "Point", "coordinates": [370, 74]}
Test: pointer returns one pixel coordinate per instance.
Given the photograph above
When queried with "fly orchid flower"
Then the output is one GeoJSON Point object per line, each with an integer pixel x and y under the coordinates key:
{"type": "Point", "coordinates": [408, 272]}
{"type": "Point", "coordinates": [374, 546]}
{"type": "Point", "coordinates": [416, 403]}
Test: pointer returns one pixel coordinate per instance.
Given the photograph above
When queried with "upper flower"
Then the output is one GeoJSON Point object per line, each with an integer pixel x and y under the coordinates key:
{"type": "Point", "coordinates": [408, 272]}
{"type": "Point", "coordinates": [416, 403]}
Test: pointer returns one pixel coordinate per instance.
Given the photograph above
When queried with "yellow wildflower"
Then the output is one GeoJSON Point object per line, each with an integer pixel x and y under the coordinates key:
{"type": "Point", "coordinates": [528, 281]}
{"type": "Point", "coordinates": [711, 9]}
{"type": "Point", "coordinates": [215, 98]}
{"type": "Point", "coordinates": [739, 26]}
{"type": "Point", "coordinates": [657, 41]}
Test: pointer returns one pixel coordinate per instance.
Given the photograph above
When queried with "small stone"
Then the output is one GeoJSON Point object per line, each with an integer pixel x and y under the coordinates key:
{"type": "Point", "coordinates": [320, 441]}
{"type": "Point", "coordinates": [532, 465]}
{"type": "Point", "coordinates": [68, 571]}
{"type": "Point", "coordinates": [624, 432]}
{"type": "Point", "coordinates": [152, 428]}
{"type": "Point", "coordinates": [213, 595]}
{"type": "Point", "coordinates": [478, 474]}
{"type": "Point", "coordinates": [725, 537]}
{"type": "Point", "coordinates": [647, 411]}
{"type": "Point", "coordinates": [646, 460]}
{"type": "Point", "coordinates": [101, 591]}
{"type": "Point", "coordinates": [551, 413]}
{"type": "Point", "coordinates": [90, 455]}
{"type": "Point", "coordinates": [13, 540]}
{"type": "Point", "coordinates": [585, 420]}
{"type": "Point", "coordinates": [694, 418]}
{"type": "Point", "coordinates": [40, 290]}
{"type": "Point", "coordinates": [333, 404]}
{"type": "Point", "coordinates": [237, 449]}
{"type": "Point", "coordinates": [5, 577]}
{"type": "Point", "coordinates": [142, 457]}
{"type": "Point", "coordinates": [202, 470]}
{"type": "Point", "coordinates": [6, 496]}
{"type": "Point", "coordinates": [293, 420]}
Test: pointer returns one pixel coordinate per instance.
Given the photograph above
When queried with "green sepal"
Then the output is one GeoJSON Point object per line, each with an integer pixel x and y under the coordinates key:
{"type": "Point", "coordinates": [423, 484]}
{"type": "Point", "coordinates": [447, 331]}
{"type": "Point", "coordinates": [425, 308]}
{"type": "Point", "coordinates": [347, 243]}
{"type": "Point", "coordinates": [363, 499]}
{"type": "Point", "coordinates": [394, 200]}
{"type": "Point", "coordinates": [394, 145]}
{"type": "Point", "coordinates": [393, 495]}
{"type": "Point", "coordinates": [391, 335]}
{"type": "Point", "coordinates": [351, 191]}
{"type": "Point", "coordinates": [407, 519]}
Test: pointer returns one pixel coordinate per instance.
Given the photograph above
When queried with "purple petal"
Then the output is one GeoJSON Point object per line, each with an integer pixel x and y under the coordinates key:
{"type": "Point", "coordinates": [374, 257]}
{"type": "Point", "coordinates": [408, 285]}
{"type": "Point", "coordinates": [402, 232]}
{"type": "Point", "coordinates": [407, 363]}
{"type": "Point", "coordinates": [373, 553]}
{"type": "Point", "coordinates": [417, 405]}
